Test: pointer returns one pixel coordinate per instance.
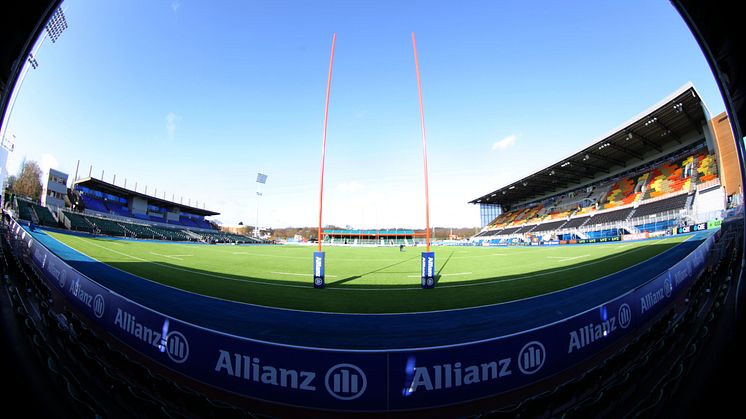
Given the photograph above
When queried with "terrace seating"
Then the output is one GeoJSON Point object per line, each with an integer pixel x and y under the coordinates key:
{"type": "Point", "coordinates": [140, 231]}
{"type": "Point", "coordinates": [550, 226]}
{"type": "Point", "coordinates": [204, 224]}
{"type": "Point", "coordinates": [106, 226]}
{"type": "Point", "coordinates": [610, 217]}
{"type": "Point", "coordinates": [707, 169]}
{"type": "Point", "coordinates": [45, 216]}
{"type": "Point", "coordinates": [169, 234]}
{"type": "Point", "coordinates": [24, 210]}
{"type": "Point", "coordinates": [118, 208]}
{"type": "Point", "coordinates": [94, 204]}
{"type": "Point", "coordinates": [31, 211]}
{"type": "Point", "coordinates": [79, 222]}
{"type": "Point", "coordinates": [665, 205]}
{"type": "Point", "coordinates": [527, 215]}
{"type": "Point", "coordinates": [670, 178]}
{"type": "Point", "coordinates": [625, 191]}
{"type": "Point", "coordinates": [559, 215]}
{"type": "Point", "coordinates": [576, 222]}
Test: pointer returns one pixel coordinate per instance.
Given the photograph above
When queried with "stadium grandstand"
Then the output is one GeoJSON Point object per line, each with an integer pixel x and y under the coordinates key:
{"type": "Point", "coordinates": [656, 172]}
{"type": "Point", "coordinates": [98, 207]}
{"type": "Point", "coordinates": [84, 339]}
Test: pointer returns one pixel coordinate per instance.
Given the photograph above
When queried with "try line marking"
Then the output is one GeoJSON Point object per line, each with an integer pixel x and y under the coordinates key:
{"type": "Point", "coordinates": [458, 273]}
{"type": "Point", "coordinates": [297, 274]}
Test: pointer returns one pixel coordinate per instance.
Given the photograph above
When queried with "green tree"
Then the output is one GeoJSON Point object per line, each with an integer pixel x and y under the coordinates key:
{"type": "Point", "coordinates": [10, 181]}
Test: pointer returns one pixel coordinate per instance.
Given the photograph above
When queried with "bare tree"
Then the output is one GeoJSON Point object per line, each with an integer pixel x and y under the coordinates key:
{"type": "Point", "coordinates": [28, 182]}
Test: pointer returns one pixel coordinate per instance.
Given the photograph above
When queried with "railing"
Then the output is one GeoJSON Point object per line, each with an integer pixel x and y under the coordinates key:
{"type": "Point", "coordinates": [709, 184]}
{"type": "Point", "coordinates": [657, 218]}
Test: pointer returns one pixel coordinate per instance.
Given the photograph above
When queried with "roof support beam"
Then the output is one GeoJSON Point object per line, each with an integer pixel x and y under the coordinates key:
{"type": "Point", "coordinates": [626, 150]}
{"type": "Point", "coordinates": [604, 158]}
{"type": "Point", "coordinates": [591, 166]}
{"type": "Point", "coordinates": [645, 140]}
{"type": "Point", "coordinates": [668, 131]}
{"type": "Point", "coordinates": [691, 121]}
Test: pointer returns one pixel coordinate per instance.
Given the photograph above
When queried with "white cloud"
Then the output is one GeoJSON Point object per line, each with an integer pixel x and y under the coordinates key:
{"type": "Point", "coordinates": [505, 142]}
{"type": "Point", "coordinates": [171, 120]}
{"type": "Point", "coordinates": [175, 5]}
{"type": "Point", "coordinates": [351, 186]}
{"type": "Point", "coordinates": [48, 161]}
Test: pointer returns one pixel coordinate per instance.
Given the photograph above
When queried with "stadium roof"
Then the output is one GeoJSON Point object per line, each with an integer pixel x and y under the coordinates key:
{"type": "Point", "coordinates": [625, 147]}
{"type": "Point", "coordinates": [106, 187]}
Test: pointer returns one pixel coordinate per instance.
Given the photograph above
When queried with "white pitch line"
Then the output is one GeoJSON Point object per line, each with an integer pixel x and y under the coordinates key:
{"type": "Point", "coordinates": [565, 259]}
{"type": "Point", "coordinates": [177, 257]}
{"type": "Point", "coordinates": [297, 274]}
{"type": "Point", "coordinates": [454, 274]}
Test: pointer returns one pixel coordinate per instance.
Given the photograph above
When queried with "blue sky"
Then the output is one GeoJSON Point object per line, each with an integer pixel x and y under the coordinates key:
{"type": "Point", "coordinates": [193, 98]}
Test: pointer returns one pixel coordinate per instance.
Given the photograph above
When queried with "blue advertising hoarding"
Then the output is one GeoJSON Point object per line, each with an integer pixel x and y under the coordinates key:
{"type": "Point", "coordinates": [428, 270]}
{"type": "Point", "coordinates": [318, 269]}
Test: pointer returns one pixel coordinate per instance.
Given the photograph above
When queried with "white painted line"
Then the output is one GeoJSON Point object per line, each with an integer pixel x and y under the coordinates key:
{"type": "Point", "coordinates": [177, 257]}
{"type": "Point", "coordinates": [297, 274]}
{"type": "Point", "coordinates": [565, 258]}
{"type": "Point", "coordinates": [458, 273]}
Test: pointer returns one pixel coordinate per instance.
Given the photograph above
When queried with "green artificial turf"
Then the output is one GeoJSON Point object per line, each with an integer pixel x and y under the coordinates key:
{"type": "Point", "coordinates": [367, 279]}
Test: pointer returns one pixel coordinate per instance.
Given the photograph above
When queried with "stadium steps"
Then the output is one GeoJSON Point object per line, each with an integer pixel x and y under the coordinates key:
{"type": "Point", "coordinates": [631, 214]}
{"type": "Point", "coordinates": [192, 234]}
{"type": "Point", "coordinates": [34, 215]}
{"type": "Point", "coordinates": [26, 211]}
{"type": "Point", "coordinates": [690, 199]}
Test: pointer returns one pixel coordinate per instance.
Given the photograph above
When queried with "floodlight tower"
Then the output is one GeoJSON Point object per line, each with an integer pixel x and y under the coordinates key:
{"type": "Point", "coordinates": [261, 179]}
{"type": "Point", "coordinates": [53, 29]}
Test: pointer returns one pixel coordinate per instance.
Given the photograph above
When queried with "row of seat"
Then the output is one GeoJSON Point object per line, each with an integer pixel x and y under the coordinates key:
{"type": "Point", "coordinates": [85, 365]}
{"type": "Point", "coordinates": [669, 177]}
{"type": "Point", "coordinates": [627, 383]}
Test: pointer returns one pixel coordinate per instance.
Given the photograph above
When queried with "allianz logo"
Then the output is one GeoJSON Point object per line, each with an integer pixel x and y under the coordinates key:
{"type": "Point", "coordinates": [530, 359]}
{"type": "Point", "coordinates": [682, 274]}
{"type": "Point", "coordinates": [95, 303]}
{"type": "Point", "coordinates": [428, 264]}
{"type": "Point", "coordinates": [58, 274]}
{"type": "Point", "coordinates": [317, 266]}
{"type": "Point", "coordinates": [652, 298]}
{"type": "Point", "coordinates": [595, 332]}
{"type": "Point", "coordinates": [174, 344]}
{"type": "Point", "coordinates": [342, 381]}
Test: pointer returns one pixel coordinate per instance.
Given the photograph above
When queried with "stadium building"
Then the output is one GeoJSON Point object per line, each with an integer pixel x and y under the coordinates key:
{"type": "Point", "coordinates": [659, 171]}
{"type": "Point", "coordinates": [98, 207]}
{"type": "Point", "coordinates": [86, 338]}
{"type": "Point", "coordinates": [371, 237]}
